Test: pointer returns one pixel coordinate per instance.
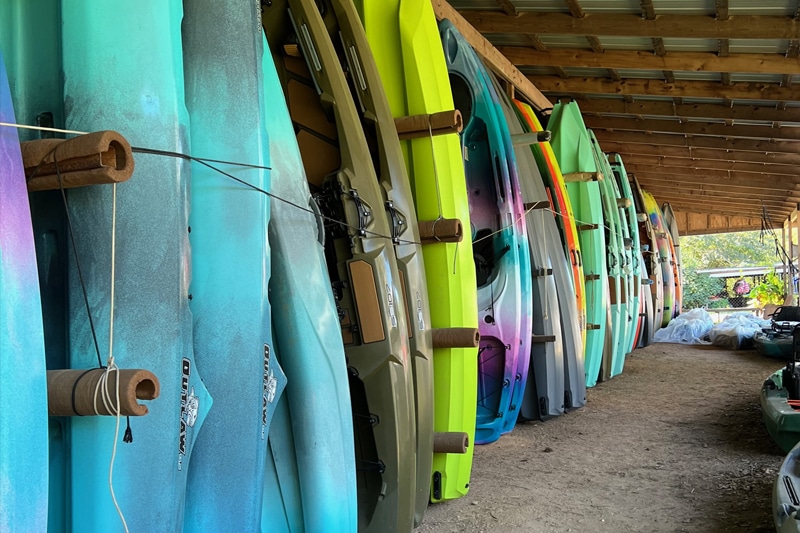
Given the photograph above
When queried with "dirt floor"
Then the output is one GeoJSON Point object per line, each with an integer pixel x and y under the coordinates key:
{"type": "Point", "coordinates": [675, 443]}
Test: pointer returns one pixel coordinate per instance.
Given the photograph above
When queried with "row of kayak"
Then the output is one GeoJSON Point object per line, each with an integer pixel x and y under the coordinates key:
{"type": "Point", "coordinates": [327, 342]}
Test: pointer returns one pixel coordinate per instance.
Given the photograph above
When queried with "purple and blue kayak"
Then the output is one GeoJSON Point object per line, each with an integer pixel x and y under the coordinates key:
{"type": "Point", "coordinates": [23, 377]}
{"type": "Point", "coordinates": [496, 243]}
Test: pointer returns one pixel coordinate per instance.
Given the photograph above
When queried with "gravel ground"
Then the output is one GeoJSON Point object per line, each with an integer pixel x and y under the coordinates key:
{"type": "Point", "coordinates": [675, 443]}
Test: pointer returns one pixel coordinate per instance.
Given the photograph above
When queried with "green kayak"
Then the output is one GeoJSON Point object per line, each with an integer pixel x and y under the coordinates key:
{"type": "Point", "coordinates": [573, 149]}
{"type": "Point", "coordinates": [783, 422]}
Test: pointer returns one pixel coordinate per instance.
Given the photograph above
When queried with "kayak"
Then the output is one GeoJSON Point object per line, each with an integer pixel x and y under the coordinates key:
{"type": "Point", "coordinates": [672, 226]}
{"type": "Point", "coordinates": [783, 422]}
{"type": "Point", "coordinates": [104, 89]}
{"type": "Point", "coordinates": [308, 345]}
{"type": "Point", "coordinates": [361, 261]}
{"type": "Point", "coordinates": [23, 377]}
{"type": "Point", "coordinates": [497, 262]}
{"type": "Point", "coordinates": [628, 216]}
{"type": "Point", "coordinates": [573, 150]}
{"type": "Point", "coordinates": [613, 355]}
{"type": "Point", "coordinates": [230, 262]}
{"type": "Point", "coordinates": [405, 41]}
{"type": "Point", "coordinates": [654, 307]}
{"type": "Point", "coordinates": [544, 390]}
{"type": "Point", "coordinates": [347, 34]}
{"type": "Point", "coordinates": [503, 115]}
{"type": "Point", "coordinates": [785, 496]}
{"type": "Point", "coordinates": [664, 256]}
{"type": "Point", "coordinates": [573, 312]}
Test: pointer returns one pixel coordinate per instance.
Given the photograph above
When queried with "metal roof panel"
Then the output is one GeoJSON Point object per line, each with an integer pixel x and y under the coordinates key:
{"type": "Point", "coordinates": [672, 44]}
{"type": "Point", "coordinates": [684, 7]}
{"type": "Point", "coordinates": [758, 46]}
{"type": "Point", "coordinates": [762, 7]}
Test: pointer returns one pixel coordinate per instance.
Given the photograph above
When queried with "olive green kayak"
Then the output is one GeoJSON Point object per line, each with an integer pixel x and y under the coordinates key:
{"type": "Point", "coordinates": [361, 260]}
{"type": "Point", "coordinates": [347, 34]}
{"type": "Point", "coordinates": [783, 422]}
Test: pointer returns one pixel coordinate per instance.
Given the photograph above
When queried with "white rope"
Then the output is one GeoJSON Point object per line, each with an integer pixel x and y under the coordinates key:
{"type": "Point", "coordinates": [111, 405]}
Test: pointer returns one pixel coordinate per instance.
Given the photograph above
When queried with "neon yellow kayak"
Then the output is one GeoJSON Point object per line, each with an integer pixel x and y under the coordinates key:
{"type": "Point", "coordinates": [405, 42]}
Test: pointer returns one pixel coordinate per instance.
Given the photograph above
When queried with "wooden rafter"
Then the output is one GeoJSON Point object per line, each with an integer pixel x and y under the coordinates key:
{"type": "Point", "coordinates": [602, 106]}
{"type": "Point", "coordinates": [494, 59]}
{"type": "Point", "coordinates": [693, 128]}
{"type": "Point", "coordinates": [639, 59]}
{"type": "Point", "coordinates": [743, 179]}
{"type": "Point", "coordinates": [633, 25]}
{"type": "Point", "coordinates": [666, 194]}
{"type": "Point", "coordinates": [716, 199]}
{"type": "Point", "coordinates": [681, 88]}
{"type": "Point", "coordinates": [688, 152]}
{"type": "Point", "coordinates": [686, 184]}
{"type": "Point", "coordinates": [716, 143]}
{"type": "Point", "coordinates": [676, 163]}
{"type": "Point", "coordinates": [755, 212]}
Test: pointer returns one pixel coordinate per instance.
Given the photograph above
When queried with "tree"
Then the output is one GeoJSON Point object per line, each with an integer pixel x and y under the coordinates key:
{"type": "Point", "coordinates": [725, 250]}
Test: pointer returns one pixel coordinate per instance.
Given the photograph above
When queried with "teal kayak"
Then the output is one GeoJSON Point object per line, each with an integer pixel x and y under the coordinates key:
{"type": "Point", "coordinates": [630, 312]}
{"type": "Point", "coordinates": [615, 261]}
{"type": "Point", "coordinates": [624, 186]}
{"type": "Point", "coordinates": [575, 156]}
{"type": "Point", "coordinates": [226, 99]}
{"type": "Point", "coordinates": [23, 378]}
{"type": "Point", "coordinates": [309, 487]}
{"type": "Point", "coordinates": [105, 89]}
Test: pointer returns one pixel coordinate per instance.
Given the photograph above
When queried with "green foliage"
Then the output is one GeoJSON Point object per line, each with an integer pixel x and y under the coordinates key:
{"type": "Point", "coordinates": [769, 291]}
{"type": "Point", "coordinates": [701, 290]}
{"type": "Point", "coordinates": [726, 250]}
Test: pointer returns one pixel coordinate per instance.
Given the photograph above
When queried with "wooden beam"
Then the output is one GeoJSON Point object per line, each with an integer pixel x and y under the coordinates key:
{"type": "Point", "coordinates": [638, 59]}
{"type": "Point", "coordinates": [633, 25]}
{"type": "Point", "coordinates": [731, 191]}
{"type": "Point", "coordinates": [708, 164]}
{"type": "Point", "coordinates": [716, 143]}
{"type": "Point", "coordinates": [722, 177]}
{"type": "Point", "coordinates": [681, 88]}
{"type": "Point", "coordinates": [495, 60]}
{"type": "Point", "coordinates": [728, 227]}
{"type": "Point", "coordinates": [682, 206]}
{"type": "Point", "coordinates": [693, 128]}
{"type": "Point", "coordinates": [603, 106]}
{"type": "Point", "coordinates": [754, 212]}
{"type": "Point", "coordinates": [689, 152]}
{"type": "Point", "coordinates": [508, 8]}
{"type": "Point", "coordinates": [733, 205]}
{"type": "Point", "coordinates": [656, 180]}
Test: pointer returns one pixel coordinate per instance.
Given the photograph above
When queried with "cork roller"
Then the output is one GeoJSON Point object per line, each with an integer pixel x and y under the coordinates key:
{"type": "Point", "coordinates": [72, 392]}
